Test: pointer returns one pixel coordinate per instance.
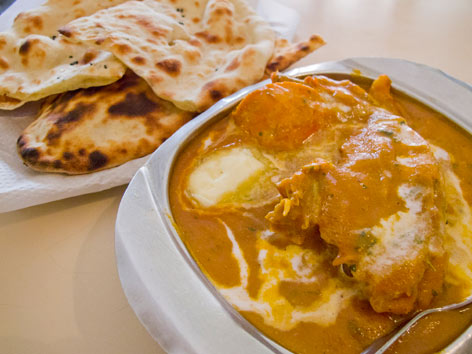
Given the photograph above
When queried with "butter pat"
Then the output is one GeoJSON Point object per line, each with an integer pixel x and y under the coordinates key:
{"type": "Point", "coordinates": [221, 173]}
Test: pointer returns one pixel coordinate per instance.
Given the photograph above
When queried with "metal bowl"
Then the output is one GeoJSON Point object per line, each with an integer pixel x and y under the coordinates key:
{"type": "Point", "coordinates": [174, 300]}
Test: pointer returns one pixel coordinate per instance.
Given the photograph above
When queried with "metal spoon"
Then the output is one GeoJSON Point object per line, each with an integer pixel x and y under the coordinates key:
{"type": "Point", "coordinates": [385, 342]}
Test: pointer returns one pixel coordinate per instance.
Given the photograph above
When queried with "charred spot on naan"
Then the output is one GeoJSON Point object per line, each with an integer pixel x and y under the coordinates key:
{"type": "Point", "coordinates": [97, 160]}
{"type": "Point", "coordinates": [233, 65]}
{"type": "Point", "coordinates": [67, 121]}
{"type": "Point", "coordinates": [89, 55]}
{"type": "Point", "coordinates": [133, 105]}
{"type": "Point", "coordinates": [170, 66]}
{"type": "Point", "coordinates": [3, 64]}
{"type": "Point", "coordinates": [65, 31]}
{"type": "Point", "coordinates": [30, 155]}
{"type": "Point", "coordinates": [208, 37]}
{"type": "Point", "coordinates": [215, 90]}
{"type": "Point", "coordinates": [138, 60]}
{"type": "Point", "coordinates": [25, 47]}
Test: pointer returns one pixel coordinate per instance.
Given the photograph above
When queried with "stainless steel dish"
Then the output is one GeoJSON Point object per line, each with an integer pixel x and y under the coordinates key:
{"type": "Point", "coordinates": [175, 302]}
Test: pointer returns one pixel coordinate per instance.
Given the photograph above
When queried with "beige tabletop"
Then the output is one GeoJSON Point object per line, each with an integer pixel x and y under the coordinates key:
{"type": "Point", "coordinates": [59, 287]}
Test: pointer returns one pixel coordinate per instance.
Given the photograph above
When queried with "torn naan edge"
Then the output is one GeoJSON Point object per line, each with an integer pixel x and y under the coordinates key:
{"type": "Point", "coordinates": [9, 103]}
{"type": "Point", "coordinates": [192, 53]}
{"type": "Point", "coordinates": [100, 127]}
{"type": "Point", "coordinates": [35, 61]}
{"type": "Point", "coordinates": [286, 53]}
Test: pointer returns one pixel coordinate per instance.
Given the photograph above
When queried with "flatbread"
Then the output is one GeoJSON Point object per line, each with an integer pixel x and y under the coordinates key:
{"type": "Point", "coordinates": [192, 53]}
{"type": "Point", "coordinates": [100, 127]}
{"type": "Point", "coordinates": [35, 61]}
{"type": "Point", "coordinates": [38, 66]}
{"type": "Point", "coordinates": [286, 53]}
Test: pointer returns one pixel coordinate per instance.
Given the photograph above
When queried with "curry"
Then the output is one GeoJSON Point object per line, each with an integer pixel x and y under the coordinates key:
{"type": "Point", "coordinates": [326, 213]}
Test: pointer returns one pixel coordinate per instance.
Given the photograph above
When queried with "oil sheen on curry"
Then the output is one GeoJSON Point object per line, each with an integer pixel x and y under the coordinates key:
{"type": "Point", "coordinates": [326, 213]}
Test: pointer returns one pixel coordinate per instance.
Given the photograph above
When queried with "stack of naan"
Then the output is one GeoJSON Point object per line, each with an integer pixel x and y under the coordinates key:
{"type": "Point", "coordinates": [122, 76]}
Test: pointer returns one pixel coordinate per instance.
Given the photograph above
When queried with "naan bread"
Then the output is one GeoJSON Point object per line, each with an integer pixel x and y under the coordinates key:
{"type": "Point", "coordinates": [192, 53]}
{"type": "Point", "coordinates": [35, 61]}
{"type": "Point", "coordinates": [38, 66]}
{"type": "Point", "coordinates": [97, 128]}
{"type": "Point", "coordinates": [286, 53]}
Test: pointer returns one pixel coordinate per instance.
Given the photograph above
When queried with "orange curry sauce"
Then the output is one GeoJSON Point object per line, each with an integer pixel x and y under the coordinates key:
{"type": "Point", "coordinates": [206, 233]}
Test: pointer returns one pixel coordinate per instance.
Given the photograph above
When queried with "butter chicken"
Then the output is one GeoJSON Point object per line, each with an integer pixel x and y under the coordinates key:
{"type": "Point", "coordinates": [325, 213]}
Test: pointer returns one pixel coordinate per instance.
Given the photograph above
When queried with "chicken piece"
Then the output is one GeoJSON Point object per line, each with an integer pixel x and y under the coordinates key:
{"type": "Point", "coordinates": [382, 207]}
{"type": "Point", "coordinates": [297, 214]}
{"type": "Point", "coordinates": [279, 116]}
{"type": "Point", "coordinates": [380, 204]}
{"type": "Point", "coordinates": [380, 90]}
{"type": "Point", "coordinates": [282, 115]}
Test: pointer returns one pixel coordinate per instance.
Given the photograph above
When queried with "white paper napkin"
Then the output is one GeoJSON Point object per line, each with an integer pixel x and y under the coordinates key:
{"type": "Point", "coordinates": [21, 187]}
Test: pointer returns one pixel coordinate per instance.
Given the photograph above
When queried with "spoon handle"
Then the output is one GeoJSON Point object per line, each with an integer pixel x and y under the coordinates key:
{"type": "Point", "coordinates": [389, 340]}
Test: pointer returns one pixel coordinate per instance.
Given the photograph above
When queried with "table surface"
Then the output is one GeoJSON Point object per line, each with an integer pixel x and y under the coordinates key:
{"type": "Point", "coordinates": [60, 291]}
